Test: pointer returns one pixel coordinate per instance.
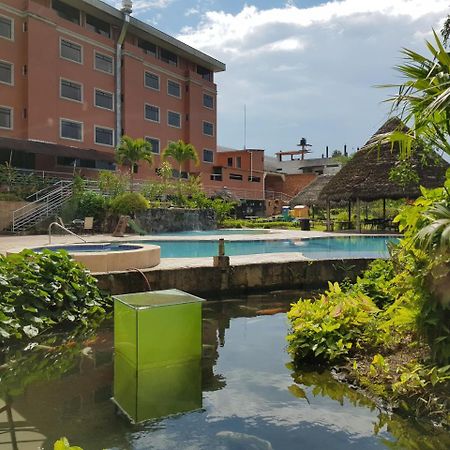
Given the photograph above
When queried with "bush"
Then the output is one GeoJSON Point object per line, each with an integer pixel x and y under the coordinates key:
{"type": "Point", "coordinates": [113, 184]}
{"type": "Point", "coordinates": [328, 327]}
{"type": "Point", "coordinates": [10, 197]}
{"type": "Point", "coordinates": [92, 204]}
{"type": "Point", "coordinates": [129, 203]}
{"type": "Point", "coordinates": [41, 290]}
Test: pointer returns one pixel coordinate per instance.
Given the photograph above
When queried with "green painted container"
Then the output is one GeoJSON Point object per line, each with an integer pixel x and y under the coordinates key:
{"type": "Point", "coordinates": [158, 345]}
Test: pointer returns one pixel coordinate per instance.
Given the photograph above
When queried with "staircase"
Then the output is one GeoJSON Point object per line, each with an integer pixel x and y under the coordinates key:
{"type": "Point", "coordinates": [47, 203]}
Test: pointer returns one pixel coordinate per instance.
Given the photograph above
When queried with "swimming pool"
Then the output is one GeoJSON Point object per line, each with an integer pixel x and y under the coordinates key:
{"type": "Point", "coordinates": [219, 232]}
{"type": "Point", "coordinates": [316, 248]}
{"type": "Point", "coordinates": [89, 248]}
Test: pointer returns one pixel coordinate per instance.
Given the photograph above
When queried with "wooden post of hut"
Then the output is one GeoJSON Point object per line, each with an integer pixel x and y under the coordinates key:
{"type": "Point", "coordinates": [358, 215]}
{"type": "Point", "coordinates": [328, 216]}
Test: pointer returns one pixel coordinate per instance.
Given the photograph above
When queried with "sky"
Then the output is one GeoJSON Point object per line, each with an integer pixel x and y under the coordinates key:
{"type": "Point", "coordinates": [299, 68]}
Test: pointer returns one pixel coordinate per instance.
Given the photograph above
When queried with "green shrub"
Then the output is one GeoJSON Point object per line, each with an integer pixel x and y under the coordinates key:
{"type": "Point", "coordinates": [113, 184]}
{"type": "Point", "coordinates": [129, 203]}
{"type": "Point", "coordinates": [92, 204]}
{"type": "Point", "coordinates": [41, 290]}
{"type": "Point", "coordinates": [10, 197]}
{"type": "Point", "coordinates": [329, 327]}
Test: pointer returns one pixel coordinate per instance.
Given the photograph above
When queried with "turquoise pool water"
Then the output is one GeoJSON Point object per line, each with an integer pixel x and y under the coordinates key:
{"type": "Point", "coordinates": [317, 248]}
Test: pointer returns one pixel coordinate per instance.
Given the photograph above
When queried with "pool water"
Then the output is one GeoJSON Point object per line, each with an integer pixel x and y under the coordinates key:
{"type": "Point", "coordinates": [251, 396]}
{"type": "Point", "coordinates": [90, 248]}
{"type": "Point", "coordinates": [317, 248]}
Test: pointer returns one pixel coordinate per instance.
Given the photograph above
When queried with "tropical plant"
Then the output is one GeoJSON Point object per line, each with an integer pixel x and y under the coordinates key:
{"type": "Point", "coordinates": [112, 184]}
{"type": "Point", "coordinates": [181, 152]}
{"type": "Point", "coordinates": [131, 151]}
{"type": "Point", "coordinates": [129, 203]}
{"type": "Point", "coordinates": [92, 204]}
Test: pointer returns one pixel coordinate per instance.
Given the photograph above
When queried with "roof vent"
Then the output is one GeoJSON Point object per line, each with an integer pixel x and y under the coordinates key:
{"type": "Point", "coordinates": [127, 6]}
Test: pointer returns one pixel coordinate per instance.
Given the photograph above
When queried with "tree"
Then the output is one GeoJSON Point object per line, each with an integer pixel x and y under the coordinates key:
{"type": "Point", "coordinates": [131, 151]}
{"type": "Point", "coordinates": [181, 152]}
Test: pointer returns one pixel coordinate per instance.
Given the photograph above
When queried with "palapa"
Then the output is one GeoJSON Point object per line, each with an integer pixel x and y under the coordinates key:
{"type": "Point", "coordinates": [310, 195]}
{"type": "Point", "coordinates": [366, 175]}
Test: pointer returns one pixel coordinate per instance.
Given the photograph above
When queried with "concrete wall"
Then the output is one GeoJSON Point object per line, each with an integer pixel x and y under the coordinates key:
{"type": "Point", "coordinates": [157, 220]}
{"type": "Point", "coordinates": [6, 210]}
{"type": "Point", "coordinates": [211, 282]}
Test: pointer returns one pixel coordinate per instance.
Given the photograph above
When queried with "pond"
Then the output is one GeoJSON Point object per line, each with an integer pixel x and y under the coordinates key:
{"type": "Point", "coordinates": [251, 398]}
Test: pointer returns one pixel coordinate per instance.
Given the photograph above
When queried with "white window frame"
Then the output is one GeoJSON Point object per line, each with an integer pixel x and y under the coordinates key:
{"type": "Point", "coordinates": [173, 126]}
{"type": "Point", "coordinates": [74, 121]}
{"type": "Point", "coordinates": [203, 101]}
{"type": "Point", "coordinates": [12, 73]}
{"type": "Point", "coordinates": [159, 113]}
{"type": "Point", "coordinates": [61, 38]}
{"type": "Point", "coordinates": [159, 81]}
{"type": "Point", "coordinates": [159, 144]}
{"type": "Point", "coordinates": [12, 28]}
{"type": "Point", "coordinates": [96, 52]}
{"type": "Point", "coordinates": [106, 92]}
{"type": "Point", "coordinates": [11, 110]}
{"type": "Point", "coordinates": [101, 143]}
{"type": "Point", "coordinates": [203, 159]}
{"type": "Point", "coordinates": [67, 98]}
{"type": "Point", "coordinates": [203, 128]}
{"type": "Point", "coordinates": [179, 85]}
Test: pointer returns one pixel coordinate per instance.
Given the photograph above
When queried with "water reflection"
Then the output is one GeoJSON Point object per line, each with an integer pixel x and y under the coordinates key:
{"type": "Point", "coordinates": [250, 398]}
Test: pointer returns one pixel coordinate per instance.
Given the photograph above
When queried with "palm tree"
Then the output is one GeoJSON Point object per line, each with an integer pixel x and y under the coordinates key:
{"type": "Point", "coordinates": [181, 152]}
{"type": "Point", "coordinates": [131, 151]}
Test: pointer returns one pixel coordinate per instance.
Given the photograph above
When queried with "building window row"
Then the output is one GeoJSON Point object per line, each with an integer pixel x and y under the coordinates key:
{"type": "Point", "coordinates": [72, 14]}
{"type": "Point", "coordinates": [74, 52]}
{"type": "Point", "coordinates": [208, 128]}
{"type": "Point", "coordinates": [208, 156]}
{"type": "Point", "coordinates": [154, 143]}
{"type": "Point", "coordinates": [152, 113]}
{"type": "Point", "coordinates": [6, 118]}
{"type": "Point", "coordinates": [6, 28]}
{"type": "Point", "coordinates": [73, 130]}
{"type": "Point", "coordinates": [71, 90]}
{"type": "Point", "coordinates": [87, 163]}
{"type": "Point", "coordinates": [152, 81]}
{"type": "Point", "coordinates": [208, 101]}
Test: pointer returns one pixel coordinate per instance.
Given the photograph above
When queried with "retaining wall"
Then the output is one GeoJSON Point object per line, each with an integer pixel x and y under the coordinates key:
{"type": "Point", "coordinates": [244, 279]}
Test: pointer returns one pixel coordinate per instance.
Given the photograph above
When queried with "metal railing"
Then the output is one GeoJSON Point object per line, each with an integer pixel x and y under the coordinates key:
{"type": "Point", "coordinates": [57, 224]}
{"type": "Point", "coordinates": [46, 204]}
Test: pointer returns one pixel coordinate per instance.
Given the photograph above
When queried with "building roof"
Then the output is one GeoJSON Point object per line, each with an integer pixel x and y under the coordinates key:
{"type": "Point", "coordinates": [366, 175]}
{"type": "Point", "coordinates": [272, 164]}
{"type": "Point", "coordinates": [142, 29]}
{"type": "Point", "coordinates": [222, 149]}
{"type": "Point", "coordinates": [310, 195]}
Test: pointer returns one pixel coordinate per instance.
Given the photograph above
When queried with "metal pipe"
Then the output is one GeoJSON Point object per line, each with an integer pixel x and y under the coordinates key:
{"type": "Point", "coordinates": [126, 21]}
{"type": "Point", "coordinates": [63, 228]}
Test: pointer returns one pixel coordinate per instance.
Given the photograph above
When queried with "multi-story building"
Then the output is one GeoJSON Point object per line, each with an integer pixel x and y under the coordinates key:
{"type": "Point", "coordinates": [76, 75]}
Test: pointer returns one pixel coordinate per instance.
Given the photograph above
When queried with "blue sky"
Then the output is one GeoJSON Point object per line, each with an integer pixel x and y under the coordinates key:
{"type": "Point", "coordinates": [303, 68]}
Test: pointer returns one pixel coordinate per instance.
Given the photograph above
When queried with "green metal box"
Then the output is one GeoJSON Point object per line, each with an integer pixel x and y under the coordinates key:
{"type": "Point", "coordinates": [158, 345]}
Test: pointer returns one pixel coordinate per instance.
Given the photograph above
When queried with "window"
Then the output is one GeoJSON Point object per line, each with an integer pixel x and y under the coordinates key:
{"type": "Point", "coordinates": [98, 25]}
{"type": "Point", "coordinates": [104, 136]}
{"type": "Point", "coordinates": [71, 90]}
{"type": "Point", "coordinates": [208, 156]}
{"type": "Point", "coordinates": [152, 113]}
{"type": "Point", "coordinates": [148, 47]}
{"type": "Point", "coordinates": [154, 143]}
{"type": "Point", "coordinates": [168, 57]}
{"type": "Point", "coordinates": [103, 63]}
{"type": "Point", "coordinates": [71, 130]}
{"type": "Point", "coordinates": [235, 176]}
{"type": "Point", "coordinates": [174, 119]}
{"type": "Point", "coordinates": [66, 11]}
{"type": "Point", "coordinates": [254, 179]}
{"type": "Point", "coordinates": [174, 88]}
{"type": "Point", "coordinates": [208, 101]}
{"type": "Point", "coordinates": [151, 81]}
{"type": "Point", "coordinates": [6, 117]}
{"type": "Point", "coordinates": [71, 51]}
{"type": "Point", "coordinates": [87, 163]}
{"type": "Point", "coordinates": [206, 74]}
{"type": "Point", "coordinates": [238, 162]}
{"type": "Point", "coordinates": [208, 128]}
{"type": "Point", "coordinates": [6, 72]}
{"type": "Point", "coordinates": [104, 99]}
{"type": "Point", "coordinates": [6, 28]}
{"type": "Point", "coordinates": [230, 162]}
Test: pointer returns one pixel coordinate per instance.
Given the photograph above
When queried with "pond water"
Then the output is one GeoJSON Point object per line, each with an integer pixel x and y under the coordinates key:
{"type": "Point", "coordinates": [251, 398]}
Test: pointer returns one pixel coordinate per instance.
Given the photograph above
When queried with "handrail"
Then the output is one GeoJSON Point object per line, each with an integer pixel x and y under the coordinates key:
{"type": "Point", "coordinates": [63, 228]}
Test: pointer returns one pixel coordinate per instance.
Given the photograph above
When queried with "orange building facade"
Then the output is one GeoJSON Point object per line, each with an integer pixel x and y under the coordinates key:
{"type": "Point", "coordinates": [76, 75]}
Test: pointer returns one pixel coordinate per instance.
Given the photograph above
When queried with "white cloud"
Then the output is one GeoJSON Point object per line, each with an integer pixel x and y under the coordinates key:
{"type": "Point", "coordinates": [310, 71]}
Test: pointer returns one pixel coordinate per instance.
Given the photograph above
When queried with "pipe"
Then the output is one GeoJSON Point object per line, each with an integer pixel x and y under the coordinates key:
{"type": "Point", "coordinates": [126, 22]}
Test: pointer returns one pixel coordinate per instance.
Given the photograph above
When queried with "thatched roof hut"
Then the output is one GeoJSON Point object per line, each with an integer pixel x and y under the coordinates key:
{"type": "Point", "coordinates": [310, 196]}
{"type": "Point", "coordinates": [366, 175]}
